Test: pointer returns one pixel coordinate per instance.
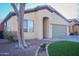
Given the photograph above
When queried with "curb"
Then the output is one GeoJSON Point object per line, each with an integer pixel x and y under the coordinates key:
{"type": "Point", "coordinates": [47, 47]}
{"type": "Point", "coordinates": [36, 53]}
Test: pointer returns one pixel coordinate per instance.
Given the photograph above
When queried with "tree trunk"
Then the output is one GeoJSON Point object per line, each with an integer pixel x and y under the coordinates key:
{"type": "Point", "coordinates": [20, 18]}
{"type": "Point", "coordinates": [19, 34]}
{"type": "Point", "coordinates": [21, 12]}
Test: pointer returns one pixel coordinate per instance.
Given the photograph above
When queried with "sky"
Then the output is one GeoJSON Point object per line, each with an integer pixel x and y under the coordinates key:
{"type": "Point", "coordinates": [68, 10]}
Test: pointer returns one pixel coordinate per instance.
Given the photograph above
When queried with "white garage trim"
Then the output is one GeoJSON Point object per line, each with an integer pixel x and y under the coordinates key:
{"type": "Point", "coordinates": [68, 30]}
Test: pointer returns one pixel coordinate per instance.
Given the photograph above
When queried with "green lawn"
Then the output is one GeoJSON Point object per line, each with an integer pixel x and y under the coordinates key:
{"type": "Point", "coordinates": [64, 48]}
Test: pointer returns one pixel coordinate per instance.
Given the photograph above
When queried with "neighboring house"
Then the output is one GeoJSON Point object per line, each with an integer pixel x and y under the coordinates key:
{"type": "Point", "coordinates": [1, 30]}
{"type": "Point", "coordinates": [74, 26]}
{"type": "Point", "coordinates": [40, 22]}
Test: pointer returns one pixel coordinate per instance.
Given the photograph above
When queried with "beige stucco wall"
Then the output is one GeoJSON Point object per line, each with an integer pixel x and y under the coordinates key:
{"type": "Point", "coordinates": [41, 14]}
{"type": "Point", "coordinates": [30, 35]}
{"type": "Point", "coordinates": [12, 24]}
{"type": "Point", "coordinates": [38, 23]}
{"type": "Point", "coordinates": [37, 17]}
{"type": "Point", "coordinates": [58, 20]}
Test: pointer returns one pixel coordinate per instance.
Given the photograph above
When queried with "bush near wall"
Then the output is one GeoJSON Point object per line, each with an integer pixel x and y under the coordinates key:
{"type": "Point", "coordinates": [10, 36]}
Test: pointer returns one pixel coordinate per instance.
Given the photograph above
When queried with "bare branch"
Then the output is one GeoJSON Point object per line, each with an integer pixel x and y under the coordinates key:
{"type": "Point", "coordinates": [15, 8]}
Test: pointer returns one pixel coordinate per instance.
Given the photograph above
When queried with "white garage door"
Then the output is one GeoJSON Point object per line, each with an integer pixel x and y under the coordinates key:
{"type": "Point", "coordinates": [58, 30]}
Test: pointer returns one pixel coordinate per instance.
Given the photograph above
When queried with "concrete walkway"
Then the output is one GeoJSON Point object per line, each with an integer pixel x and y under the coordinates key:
{"type": "Point", "coordinates": [42, 53]}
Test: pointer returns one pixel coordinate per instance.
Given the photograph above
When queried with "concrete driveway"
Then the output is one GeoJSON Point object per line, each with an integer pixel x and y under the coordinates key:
{"type": "Point", "coordinates": [74, 38]}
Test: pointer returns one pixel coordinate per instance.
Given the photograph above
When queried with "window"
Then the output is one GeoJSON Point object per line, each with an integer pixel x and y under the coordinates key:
{"type": "Point", "coordinates": [28, 26]}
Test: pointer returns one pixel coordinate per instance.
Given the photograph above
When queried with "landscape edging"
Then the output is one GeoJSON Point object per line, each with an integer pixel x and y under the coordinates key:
{"type": "Point", "coordinates": [47, 48]}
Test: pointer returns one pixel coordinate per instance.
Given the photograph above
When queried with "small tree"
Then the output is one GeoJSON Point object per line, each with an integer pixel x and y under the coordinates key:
{"type": "Point", "coordinates": [20, 16]}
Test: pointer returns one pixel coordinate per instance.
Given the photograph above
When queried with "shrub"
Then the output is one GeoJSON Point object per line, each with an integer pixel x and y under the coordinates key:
{"type": "Point", "coordinates": [10, 36]}
{"type": "Point", "coordinates": [43, 46]}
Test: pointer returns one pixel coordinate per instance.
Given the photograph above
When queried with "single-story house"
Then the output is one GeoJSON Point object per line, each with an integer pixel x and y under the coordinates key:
{"type": "Point", "coordinates": [40, 22]}
{"type": "Point", "coordinates": [74, 26]}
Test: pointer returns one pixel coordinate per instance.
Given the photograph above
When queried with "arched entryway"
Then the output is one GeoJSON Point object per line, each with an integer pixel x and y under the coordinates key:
{"type": "Point", "coordinates": [45, 27]}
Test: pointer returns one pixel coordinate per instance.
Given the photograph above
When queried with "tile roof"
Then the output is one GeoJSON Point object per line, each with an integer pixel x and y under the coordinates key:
{"type": "Point", "coordinates": [48, 7]}
{"type": "Point", "coordinates": [75, 21]}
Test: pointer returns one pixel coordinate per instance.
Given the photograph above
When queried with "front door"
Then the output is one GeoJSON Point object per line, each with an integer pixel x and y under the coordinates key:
{"type": "Point", "coordinates": [45, 27]}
